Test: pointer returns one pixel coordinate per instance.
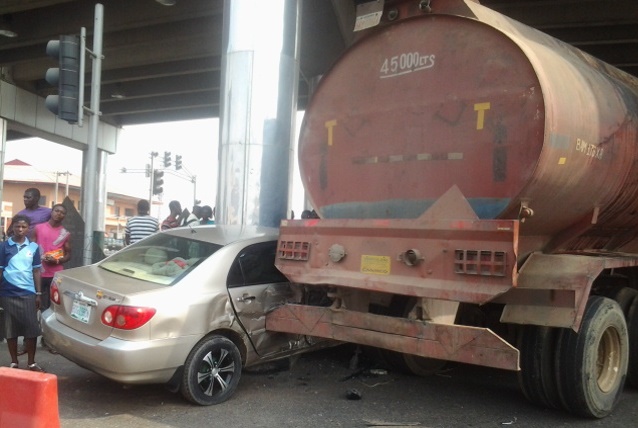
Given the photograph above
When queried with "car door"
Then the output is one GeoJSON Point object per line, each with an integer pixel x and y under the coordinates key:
{"type": "Point", "coordinates": [256, 286]}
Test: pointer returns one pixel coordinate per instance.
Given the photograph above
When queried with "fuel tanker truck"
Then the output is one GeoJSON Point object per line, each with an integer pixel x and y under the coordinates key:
{"type": "Point", "coordinates": [476, 183]}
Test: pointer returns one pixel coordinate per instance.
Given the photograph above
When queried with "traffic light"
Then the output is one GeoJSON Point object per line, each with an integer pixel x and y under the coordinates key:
{"type": "Point", "coordinates": [66, 77]}
{"type": "Point", "coordinates": [167, 159]}
{"type": "Point", "coordinates": [178, 162]}
{"type": "Point", "coordinates": [158, 181]}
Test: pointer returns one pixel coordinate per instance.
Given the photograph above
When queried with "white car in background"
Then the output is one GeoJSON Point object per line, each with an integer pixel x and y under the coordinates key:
{"type": "Point", "coordinates": [185, 307]}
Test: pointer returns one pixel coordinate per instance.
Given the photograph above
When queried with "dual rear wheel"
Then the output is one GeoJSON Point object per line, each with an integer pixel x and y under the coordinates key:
{"type": "Point", "coordinates": [583, 373]}
{"type": "Point", "coordinates": [632, 325]}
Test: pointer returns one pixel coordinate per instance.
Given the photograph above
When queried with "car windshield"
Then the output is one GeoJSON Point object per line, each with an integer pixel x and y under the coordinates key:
{"type": "Point", "coordinates": [161, 259]}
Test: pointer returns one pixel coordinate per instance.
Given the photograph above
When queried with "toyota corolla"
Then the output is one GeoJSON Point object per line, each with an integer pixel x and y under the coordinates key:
{"type": "Point", "coordinates": [185, 307]}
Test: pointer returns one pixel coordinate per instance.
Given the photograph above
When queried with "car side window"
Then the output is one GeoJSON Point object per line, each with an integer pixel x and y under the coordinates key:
{"type": "Point", "coordinates": [255, 265]}
{"type": "Point", "coordinates": [235, 277]}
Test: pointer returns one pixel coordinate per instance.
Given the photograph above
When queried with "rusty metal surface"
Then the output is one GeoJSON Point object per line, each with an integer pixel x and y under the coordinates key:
{"type": "Point", "coordinates": [415, 258]}
{"type": "Point", "coordinates": [553, 289]}
{"type": "Point", "coordinates": [510, 115]}
{"type": "Point", "coordinates": [537, 138]}
{"type": "Point", "coordinates": [447, 342]}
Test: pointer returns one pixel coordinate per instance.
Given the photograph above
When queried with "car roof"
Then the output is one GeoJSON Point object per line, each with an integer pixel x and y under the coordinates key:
{"type": "Point", "coordinates": [225, 234]}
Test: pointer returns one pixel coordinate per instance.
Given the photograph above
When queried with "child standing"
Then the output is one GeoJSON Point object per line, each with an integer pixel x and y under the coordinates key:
{"type": "Point", "coordinates": [20, 291]}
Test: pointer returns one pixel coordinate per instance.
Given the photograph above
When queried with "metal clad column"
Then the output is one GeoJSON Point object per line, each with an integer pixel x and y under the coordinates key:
{"type": "Point", "coordinates": [3, 149]}
{"type": "Point", "coordinates": [260, 74]}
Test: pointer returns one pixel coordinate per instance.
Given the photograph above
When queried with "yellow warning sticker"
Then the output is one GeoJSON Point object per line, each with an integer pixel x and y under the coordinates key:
{"type": "Point", "coordinates": [376, 265]}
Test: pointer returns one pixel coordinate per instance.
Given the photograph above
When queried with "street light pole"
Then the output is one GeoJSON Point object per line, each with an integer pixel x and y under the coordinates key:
{"type": "Point", "coordinates": [194, 179]}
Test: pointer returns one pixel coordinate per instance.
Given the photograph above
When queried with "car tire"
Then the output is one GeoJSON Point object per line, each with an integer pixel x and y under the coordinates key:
{"type": "Point", "coordinates": [211, 372]}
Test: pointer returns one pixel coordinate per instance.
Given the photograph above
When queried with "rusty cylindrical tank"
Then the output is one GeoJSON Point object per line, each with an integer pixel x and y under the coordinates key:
{"type": "Point", "coordinates": [515, 118]}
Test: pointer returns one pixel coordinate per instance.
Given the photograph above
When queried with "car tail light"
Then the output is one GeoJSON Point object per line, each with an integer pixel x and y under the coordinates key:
{"type": "Point", "coordinates": [54, 293]}
{"type": "Point", "coordinates": [126, 317]}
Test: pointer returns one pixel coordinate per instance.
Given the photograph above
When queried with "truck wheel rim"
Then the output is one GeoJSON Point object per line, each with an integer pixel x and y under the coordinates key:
{"type": "Point", "coordinates": [609, 360]}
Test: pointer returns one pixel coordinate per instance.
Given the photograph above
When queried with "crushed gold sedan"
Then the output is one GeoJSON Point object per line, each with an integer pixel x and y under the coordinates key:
{"type": "Point", "coordinates": [185, 307]}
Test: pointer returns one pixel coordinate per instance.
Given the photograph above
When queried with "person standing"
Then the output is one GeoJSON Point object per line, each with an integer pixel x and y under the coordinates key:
{"type": "Point", "coordinates": [141, 225]}
{"type": "Point", "coordinates": [208, 215]}
{"type": "Point", "coordinates": [173, 219]}
{"type": "Point", "coordinates": [20, 291]}
{"type": "Point", "coordinates": [36, 213]}
{"type": "Point", "coordinates": [55, 247]}
{"type": "Point", "coordinates": [192, 219]}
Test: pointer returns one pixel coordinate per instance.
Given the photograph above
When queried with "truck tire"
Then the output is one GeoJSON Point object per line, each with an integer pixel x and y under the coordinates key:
{"type": "Point", "coordinates": [632, 326]}
{"type": "Point", "coordinates": [389, 359]}
{"type": "Point", "coordinates": [537, 346]}
{"type": "Point", "coordinates": [420, 366]}
{"type": "Point", "coordinates": [408, 363]}
{"type": "Point", "coordinates": [624, 296]}
{"type": "Point", "coordinates": [591, 365]}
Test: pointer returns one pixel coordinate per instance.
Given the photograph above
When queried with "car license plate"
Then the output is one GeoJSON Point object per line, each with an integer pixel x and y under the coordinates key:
{"type": "Point", "coordinates": [80, 311]}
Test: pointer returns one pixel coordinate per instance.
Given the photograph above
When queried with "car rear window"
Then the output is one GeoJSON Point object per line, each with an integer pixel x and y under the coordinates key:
{"type": "Point", "coordinates": [161, 259]}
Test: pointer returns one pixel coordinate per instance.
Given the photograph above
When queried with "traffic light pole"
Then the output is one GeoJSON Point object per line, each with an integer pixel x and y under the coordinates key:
{"type": "Point", "coordinates": [150, 185]}
{"type": "Point", "coordinates": [92, 153]}
{"type": "Point", "coordinates": [81, 77]}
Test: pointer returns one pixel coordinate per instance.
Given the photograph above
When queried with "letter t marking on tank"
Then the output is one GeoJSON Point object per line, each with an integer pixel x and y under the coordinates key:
{"type": "Point", "coordinates": [480, 117]}
{"type": "Point", "coordinates": [330, 124]}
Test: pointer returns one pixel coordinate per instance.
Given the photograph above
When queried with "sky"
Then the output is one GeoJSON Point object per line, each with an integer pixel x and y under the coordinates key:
{"type": "Point", "coordinates": [196, 141]}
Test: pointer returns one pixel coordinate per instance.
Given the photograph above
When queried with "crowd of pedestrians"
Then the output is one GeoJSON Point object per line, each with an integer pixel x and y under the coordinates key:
{"type": "Point", "coordinates": [37, 245]}
{"type": "Point", "coordinates": [143, 224]}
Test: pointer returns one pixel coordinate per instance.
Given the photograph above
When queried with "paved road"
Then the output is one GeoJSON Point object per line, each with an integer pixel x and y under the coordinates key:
{"type": "Point", "coordinates": [313, 394]}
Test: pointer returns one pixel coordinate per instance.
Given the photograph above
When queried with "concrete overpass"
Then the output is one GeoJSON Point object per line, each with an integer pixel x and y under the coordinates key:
{"type": "Point", "coordinates": [162, 63]}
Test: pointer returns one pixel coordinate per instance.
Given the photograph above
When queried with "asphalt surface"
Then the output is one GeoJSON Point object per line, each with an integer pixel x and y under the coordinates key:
{"type": "Point", "coordinates": [312, 392]}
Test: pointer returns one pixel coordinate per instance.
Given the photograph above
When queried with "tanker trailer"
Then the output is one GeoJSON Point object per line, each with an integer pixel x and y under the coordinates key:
{"type": "Point", "coordinates": [477, 190]}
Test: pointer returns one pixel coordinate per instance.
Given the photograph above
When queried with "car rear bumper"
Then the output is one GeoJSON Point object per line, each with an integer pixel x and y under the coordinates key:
{"type": "Point", "coordinates": [140, 362]}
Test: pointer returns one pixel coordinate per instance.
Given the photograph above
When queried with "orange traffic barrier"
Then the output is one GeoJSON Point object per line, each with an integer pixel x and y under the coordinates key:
{"type": "Point", "coordinates": [28, 399]}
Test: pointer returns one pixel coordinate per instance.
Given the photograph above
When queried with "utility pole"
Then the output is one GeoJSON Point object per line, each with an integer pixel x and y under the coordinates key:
{"type": "Point", "coordinates": [194, 180]}
{"type": "Point", "coordinates": [57, 179]}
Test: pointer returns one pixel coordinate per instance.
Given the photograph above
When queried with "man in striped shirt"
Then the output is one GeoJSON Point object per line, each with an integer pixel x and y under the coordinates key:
{"type": "Point", "coordinates": [142, 225]}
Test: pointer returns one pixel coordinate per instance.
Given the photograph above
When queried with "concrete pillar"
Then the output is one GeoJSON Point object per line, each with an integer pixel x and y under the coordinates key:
{"type": "Point", "coordinates": [260, 76]}
{"type": "Point", "coordinates": [3, 149]}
